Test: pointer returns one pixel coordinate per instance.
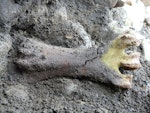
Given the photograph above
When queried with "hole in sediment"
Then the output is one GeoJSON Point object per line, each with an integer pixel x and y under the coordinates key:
{"type": "Point", "coordinates": [123, 71]}
{"type": "Point", "coordinates": [27, 11]}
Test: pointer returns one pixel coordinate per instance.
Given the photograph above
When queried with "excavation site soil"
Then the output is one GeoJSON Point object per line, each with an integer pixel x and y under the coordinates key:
{"type": "Point", "coordinates": [75, 24]}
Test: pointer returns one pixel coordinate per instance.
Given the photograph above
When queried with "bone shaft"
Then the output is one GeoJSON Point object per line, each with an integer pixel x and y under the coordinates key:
{"type": "Point", "coordinates": [70, 63]}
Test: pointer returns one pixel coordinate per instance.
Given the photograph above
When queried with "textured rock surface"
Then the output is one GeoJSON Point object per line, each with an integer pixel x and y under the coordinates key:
{"type": "Point", "coordinates": [146, 46]}
{"type": "Point", "coordinates": [146, 2]}
{"type": "Point", "coordinates": [42, 20]}
{"type": "Point", "coordinates": [5, 46]}
{"type": "Point", "coordinates": [132, 15]}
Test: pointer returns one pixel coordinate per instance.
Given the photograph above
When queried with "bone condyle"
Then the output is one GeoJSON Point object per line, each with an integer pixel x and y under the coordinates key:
{"type": "Point", "coordinates": [116, 57]}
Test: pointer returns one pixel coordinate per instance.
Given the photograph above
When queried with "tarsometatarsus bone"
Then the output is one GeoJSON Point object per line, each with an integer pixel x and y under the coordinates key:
{"type": "Point", "coordinates": [42, 61]}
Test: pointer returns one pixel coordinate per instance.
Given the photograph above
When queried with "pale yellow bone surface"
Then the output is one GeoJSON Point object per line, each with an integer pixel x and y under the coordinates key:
{"type": "Point", "coordinates": [116, 56]}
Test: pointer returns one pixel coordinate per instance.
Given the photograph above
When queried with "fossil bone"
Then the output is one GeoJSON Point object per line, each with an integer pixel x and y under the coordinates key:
{"type": "Point", "coordinates": [116, 56]}
{"type": "Point", "coordinates": [40, 61]}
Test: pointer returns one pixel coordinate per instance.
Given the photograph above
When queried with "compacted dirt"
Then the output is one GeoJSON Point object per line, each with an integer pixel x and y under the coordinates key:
{"type": "Point", "coordinates": [50, 21]}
